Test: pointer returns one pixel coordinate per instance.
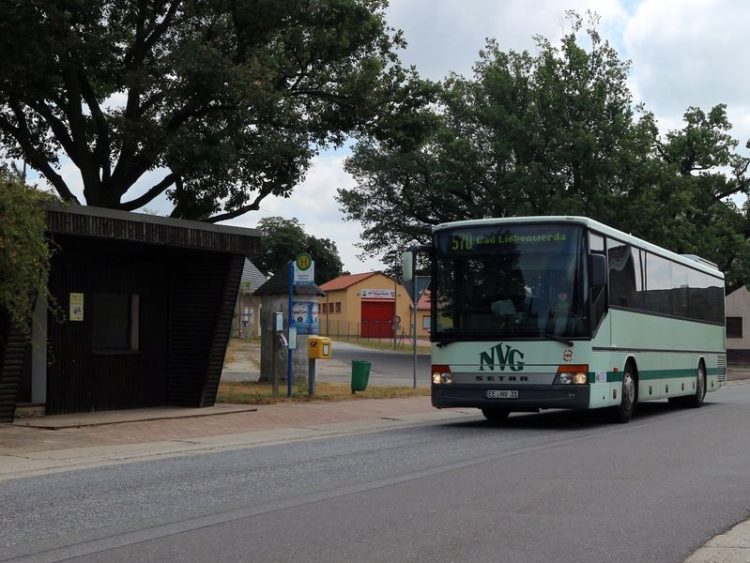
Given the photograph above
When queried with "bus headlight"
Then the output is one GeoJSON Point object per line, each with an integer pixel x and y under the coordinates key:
{"type": "Point", "coordinates": [572, 375]}
{"type": "Point", "coordinates": [441, 374]}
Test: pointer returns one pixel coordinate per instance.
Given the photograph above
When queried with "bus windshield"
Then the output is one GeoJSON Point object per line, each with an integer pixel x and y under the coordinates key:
{"type": "Point", "coordinates": [509, 281]}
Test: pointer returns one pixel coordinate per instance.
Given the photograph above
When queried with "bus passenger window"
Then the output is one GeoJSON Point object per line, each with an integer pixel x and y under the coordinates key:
{"type": "Point", "coordinates": [625, 275]}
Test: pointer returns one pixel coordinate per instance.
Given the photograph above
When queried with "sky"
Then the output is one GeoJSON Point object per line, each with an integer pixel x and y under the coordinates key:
{"type": "Point", "coordinates": [683, 53]}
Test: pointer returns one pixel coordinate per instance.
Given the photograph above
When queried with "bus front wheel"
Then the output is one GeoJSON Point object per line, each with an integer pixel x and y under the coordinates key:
{"type": "Point", "coordinates": [696, 400]}
{"type": "Point", "coordinates": [624, 411]}
{"type": "Point", "coordinates": [495, 415]}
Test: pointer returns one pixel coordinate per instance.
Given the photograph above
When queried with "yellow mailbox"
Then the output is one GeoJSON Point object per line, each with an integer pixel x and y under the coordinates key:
{"type": "Point", "coordinates": [319, 348]}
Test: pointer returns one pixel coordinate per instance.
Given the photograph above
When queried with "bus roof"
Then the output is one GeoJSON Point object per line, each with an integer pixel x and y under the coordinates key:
{"type": "Point", "coordinates": [688, 259]}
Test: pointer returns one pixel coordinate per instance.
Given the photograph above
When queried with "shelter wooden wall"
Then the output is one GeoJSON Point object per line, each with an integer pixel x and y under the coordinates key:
{"type": "Point", "coordinates": [186, 303]}
{"type": "Point", "coordinates": [13, 344]}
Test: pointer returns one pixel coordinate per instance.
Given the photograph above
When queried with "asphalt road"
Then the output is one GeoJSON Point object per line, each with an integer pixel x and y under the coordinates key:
{"type": "Point", "coordinates": [558, 487]}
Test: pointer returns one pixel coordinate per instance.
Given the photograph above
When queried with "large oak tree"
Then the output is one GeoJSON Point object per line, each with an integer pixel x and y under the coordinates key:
{"type": "Point", "coordinates": [228, 100]}
{"type": "Point", "coordinates": [555, 133]}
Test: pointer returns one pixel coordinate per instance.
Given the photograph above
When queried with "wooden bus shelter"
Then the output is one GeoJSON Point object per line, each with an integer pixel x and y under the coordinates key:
{"type": "Point", "coordinates": [140, 316]}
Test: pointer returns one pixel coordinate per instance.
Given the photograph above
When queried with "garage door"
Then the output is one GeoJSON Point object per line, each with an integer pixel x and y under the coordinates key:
{"type": "Point", "coordinates": [377, 319]}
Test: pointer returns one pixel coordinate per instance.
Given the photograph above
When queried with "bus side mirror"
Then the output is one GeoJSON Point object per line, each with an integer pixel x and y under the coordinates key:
{"type": "Point", "coordinates": [597, 270]}
{"type": "Point", "coordinates": [407, 262]}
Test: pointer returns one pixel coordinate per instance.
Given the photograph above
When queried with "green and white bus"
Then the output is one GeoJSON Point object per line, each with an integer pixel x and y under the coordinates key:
{"type": "Point", "coordinates": [534, 313]}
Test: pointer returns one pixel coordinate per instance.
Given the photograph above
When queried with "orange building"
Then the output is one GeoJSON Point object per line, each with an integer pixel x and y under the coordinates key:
{"type": "Point", "coordinates": [368, 305]}
{"type": "Point", "coordinates": [424, 305]}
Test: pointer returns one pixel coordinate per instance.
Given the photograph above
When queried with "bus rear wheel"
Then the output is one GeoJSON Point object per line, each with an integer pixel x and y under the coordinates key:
{"type": "Point", "coordinates": [495, 415]}
{"type": "Point", "coordinates": [624, 411]}
{"type": "Point", "coordinates": [696, 399]}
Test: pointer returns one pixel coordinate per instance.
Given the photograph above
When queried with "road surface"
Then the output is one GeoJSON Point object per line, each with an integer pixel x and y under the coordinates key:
{"type": "Point", "coordinates": [557, 486]}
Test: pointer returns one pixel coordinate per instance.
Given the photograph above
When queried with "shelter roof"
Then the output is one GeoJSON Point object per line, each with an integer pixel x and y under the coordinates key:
{"type": "Point", "coordinates": [279, 285]}
{"type": "Point", "coordinates": [98, 222]}
{"type": "Point", "coordinates": [252, 276]}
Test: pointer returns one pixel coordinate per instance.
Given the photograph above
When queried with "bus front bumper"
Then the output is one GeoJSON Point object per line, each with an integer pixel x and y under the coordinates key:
{"type": "Point", "coordinates": [529, 397]}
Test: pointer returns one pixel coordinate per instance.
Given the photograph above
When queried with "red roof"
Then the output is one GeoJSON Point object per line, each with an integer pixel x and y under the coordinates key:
{"type": "Point", "coordinates": [342, 282]}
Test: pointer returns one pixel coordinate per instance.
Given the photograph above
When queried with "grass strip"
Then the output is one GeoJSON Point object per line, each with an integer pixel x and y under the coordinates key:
{"type": "Point", "coordinates": [254, 393]}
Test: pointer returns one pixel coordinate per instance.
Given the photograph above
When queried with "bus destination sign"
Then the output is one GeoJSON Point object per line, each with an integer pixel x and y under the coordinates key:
{"type": "Point", "coordinates": [464, 241]}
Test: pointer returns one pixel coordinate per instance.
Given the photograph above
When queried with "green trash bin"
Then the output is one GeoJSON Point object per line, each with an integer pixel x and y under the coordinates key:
{"type": "Point", "coordinates": [360, 375]}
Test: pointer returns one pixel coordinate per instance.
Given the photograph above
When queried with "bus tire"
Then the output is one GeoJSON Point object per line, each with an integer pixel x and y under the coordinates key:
{"type": "Point", "coordinates": [623, 412]}
{"type": "Point", "coordinates": [495, 415]}
{"type": "Point", "coordinates": [696, 400]}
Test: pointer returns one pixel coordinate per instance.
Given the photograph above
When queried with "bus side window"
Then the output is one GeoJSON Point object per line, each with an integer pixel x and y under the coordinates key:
{"type": "Point", "coordinates": [625, 275]}
{"type": "Point", "coordinates": [598, 295]}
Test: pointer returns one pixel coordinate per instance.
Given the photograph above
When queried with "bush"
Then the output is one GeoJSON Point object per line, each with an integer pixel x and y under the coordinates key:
{"type": "Point", "coordinates": [24, 252]}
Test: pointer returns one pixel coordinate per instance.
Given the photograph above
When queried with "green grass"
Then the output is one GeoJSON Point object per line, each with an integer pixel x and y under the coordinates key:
{"type": "Point", "coordinates": [254, 393]}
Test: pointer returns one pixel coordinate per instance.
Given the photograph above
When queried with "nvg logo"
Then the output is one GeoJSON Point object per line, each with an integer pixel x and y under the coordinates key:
{"type": "Point", "coordinates": [501, 355]}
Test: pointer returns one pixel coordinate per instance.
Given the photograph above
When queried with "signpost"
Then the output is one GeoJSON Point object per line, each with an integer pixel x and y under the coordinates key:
{"type": "Point", "coordinates": [301, 272]}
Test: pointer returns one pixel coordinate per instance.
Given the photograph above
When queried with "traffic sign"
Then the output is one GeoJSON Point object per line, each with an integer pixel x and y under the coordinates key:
{"type": "Point", "coordinates": [304, 269]}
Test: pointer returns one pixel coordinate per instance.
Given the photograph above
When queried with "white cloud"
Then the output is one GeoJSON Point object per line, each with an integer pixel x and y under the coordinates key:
{"type": "Point", "coordinates": [446, 35]}
{"type": "Point", "coordinates": [691, 53]}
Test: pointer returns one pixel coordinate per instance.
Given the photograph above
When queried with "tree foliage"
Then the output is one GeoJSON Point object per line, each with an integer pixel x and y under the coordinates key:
{"type": "Point", "coordinates": [286, 238]}
{"type": "Point", "coordinates": [229, 100]}
{"type": "Point", "coordinates": [24, 252]}
{"type": "Point", "coordinates": [556, 133]}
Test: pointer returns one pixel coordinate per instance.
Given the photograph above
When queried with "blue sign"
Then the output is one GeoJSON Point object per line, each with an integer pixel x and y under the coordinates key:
{"type": "Point", "coordinates": [305, 317]}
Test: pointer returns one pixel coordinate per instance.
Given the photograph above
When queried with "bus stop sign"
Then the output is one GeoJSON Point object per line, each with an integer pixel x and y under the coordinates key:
{"type": "Point", "coordinates": [304, 269]}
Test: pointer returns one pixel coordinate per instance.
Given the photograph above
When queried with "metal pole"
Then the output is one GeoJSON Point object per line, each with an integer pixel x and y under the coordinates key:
{"type": "Point", "coordinates": [239, 312]}
{"type": "Point", "coordinates": [395, 310]}
{"type": "Point", "coordinates": [414, 330]}
{"type": "Point", "coordinates": [290, 351]}
{"type": "Point", "coordinates": [312, 366]}
{"type": "Point", "coordinates": [275, 377]}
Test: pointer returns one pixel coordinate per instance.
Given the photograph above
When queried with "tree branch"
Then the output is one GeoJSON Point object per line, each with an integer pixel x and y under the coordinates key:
{"type": "Point", "coordinates": [161, 27]}
{"type": "Point", "coordinates": [37, 159]}
{"type": "Point", "coordinates": [73, 108]}
{"type": "Point", "coordinates": [102, 132]}
{"type": "Point", "coordinates": [254, 206]}
{"type": "Point", "coordinates": [177, 211]}
{"type": "Point", "coordinates": [154, 191]}
{"type": "Point", "coordinates": [192, 110]}
{"type": "Point", "coordinates": [75, 145]}
{"type": "Point", "coordinates": [727, 193]}
{"type": "Point", "coordinates": [142, 43]}
{"type": "Point", "coordinates": [57, 126]}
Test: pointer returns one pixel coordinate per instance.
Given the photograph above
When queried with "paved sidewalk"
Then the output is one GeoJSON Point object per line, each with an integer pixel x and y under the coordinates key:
{"type": "Point", "coordinates": [60, 443]}
{"type": "Point", "coordinates": [730, 547]}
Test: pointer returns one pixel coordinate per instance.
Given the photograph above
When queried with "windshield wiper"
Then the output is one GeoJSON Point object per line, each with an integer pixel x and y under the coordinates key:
{"type": "Point", "coordinates": [556, 338]}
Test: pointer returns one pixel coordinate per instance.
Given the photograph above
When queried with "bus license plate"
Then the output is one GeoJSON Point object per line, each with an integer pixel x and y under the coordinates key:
{"type": "Point", "coordinates": [501, 394]}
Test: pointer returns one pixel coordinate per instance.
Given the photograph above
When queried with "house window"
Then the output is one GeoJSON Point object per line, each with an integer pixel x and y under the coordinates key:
{"type": "Point", "coordinates": [338, 306]}
{"type": "Point", "coordinates": [426, 322]}
{"type": "Point", "coordinates": [115, 322]}
{"type": "Point", "coordinates": [734, 327]}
